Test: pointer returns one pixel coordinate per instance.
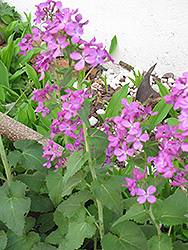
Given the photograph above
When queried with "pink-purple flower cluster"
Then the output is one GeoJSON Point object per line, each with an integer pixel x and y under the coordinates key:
{"type": "Point", "coordinates": [134, 185]}
{"type": "Point", "coordinates": [67, 122]}
{"type": "Point", "coordinates": [125, 132]}
{"type": "Point", "coordinates": [172, 142]}
{"type": "Point", "coordinates": [60, 28]}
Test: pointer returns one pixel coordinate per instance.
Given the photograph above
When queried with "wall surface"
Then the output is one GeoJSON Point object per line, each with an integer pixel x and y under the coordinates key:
{"type": "Point", "coordinates": [148, 31]}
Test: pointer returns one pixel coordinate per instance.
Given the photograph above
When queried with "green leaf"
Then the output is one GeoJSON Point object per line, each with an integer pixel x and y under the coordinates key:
{"type": "Point", "coordinates": [55, 185]}
{"type": "Point", "coordinates": [10, 28]}
{"type": "Point", "coordinates": [108, 192]}
{"type": "Point", "coordinates": [43, 246]}
{"type": "Point", "coordinates": [14, 157]}
{"type": "Point", "coordinates": [163, 244]}
{"type": "Point", "coordinates": [29, 224]}
{"type": "Point", "coordinates": [136, 213]}
{"type": "Point", "coordinates": [46, 221]}
{"type": "Point", "coordinates": [148, 230]}
{"type": "Point", "coordinates": [40, 203]}
{"type": "Point", "coordinates": [2, 94]}
{"type": "Point", "coordinates": [33, 76]}
{"type": "Point", "coordinates": [79, 229]}
{"type": "Point", "coordinates": [97, 138]}
{"type": "Point", "coordinates": [29, 55]}
{"type": "Point", "coordinates": [55, 237]}
{"type": "Point", "coordinates": [3, 240]}
{"type": "Point", "coordinates": [163, 90]}
{"type": "Point", "coordinates": [163, 211]}
{"type": "Point", "coordinates": [61, 221]}
{"type": "Point", "coordinates": [113, 45]}
{"type": "Point", "coordinates": [84, 112]}
{"type": "Point", "coordinates": [32, 152]}
{"type": "Point", "coordinates": [7, 55]}
{"type": "Point", "coordinates": [35, 182]}
{"type": "Point", "coordinates": [158, 182]}
{"type": "Point", "coordinates": [172, 121]}
{"type": "Point", "coordinates": [13, 206]}
{"type": "Point", "coordinates": [114, 104]}
{"type": "Point", "coordinates": [22, 116]}
{"type": "Point", "coordinates": [16, 75]}
{"type": "Point", "coordinates": [179, 245]}
{"type": "Point", "coordinates": [179, 198]}
{"type": "Point", "coordinates": [75, 162]}
{"type": "Point", "coordinates": [125, 236]}
{"type": "Point", "coordinates": [67, 76]}
{"type": "Point", "coordinates": [4, 75]}
{"type": "Point", "coordinates": [163, 109]}
{"type": "Point", "coordinates": [31, 113]}
{"type": "Point", "coordinates": [74, 181]}
{"type": "Point", "coordinates": [11, 92]}
{"type": "Point", "coordinates": [151, 148]}
{"type": "Point", "coordinates": [22, 243]}
{"type": "Point", "coordinates": [128, 203]}
{"type": "Point", "coordinates": [74, 203]}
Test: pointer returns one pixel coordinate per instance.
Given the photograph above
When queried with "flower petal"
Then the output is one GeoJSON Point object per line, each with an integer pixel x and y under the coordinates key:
{"type": "Point", "coordinates": [151, 189]}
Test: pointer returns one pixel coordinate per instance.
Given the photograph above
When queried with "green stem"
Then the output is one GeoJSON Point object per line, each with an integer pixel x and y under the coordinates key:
{"type": "Point", "coordinates": [95, 243]}
{"type": "Point", "coordinates": [5, 162]}
{"type": "Point", "coordinates": [94, 176]}
{"type": "Point", "coordinates": [153, 219]}
{"type": "Point", "coordinates": [79, 83]}
{"type": "Point", "coordinates": [170, 229]}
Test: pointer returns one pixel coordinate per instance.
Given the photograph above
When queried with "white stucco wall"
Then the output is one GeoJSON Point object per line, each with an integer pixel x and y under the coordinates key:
{"type": "Point", "coordinates": [148, 31]}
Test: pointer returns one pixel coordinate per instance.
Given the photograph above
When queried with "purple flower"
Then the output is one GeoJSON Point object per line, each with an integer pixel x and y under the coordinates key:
{"type": "Point", "coordinates": [56, 47]}
{"type": "Point", "coordinates": [137, 174]}
{"type": "Point", "coordinates": [179, 179]}
{"type": "Point", "coordinates": [25, 44]}
{"type": "Point", "coordinates": [131, 184]}
{"type": "Point", "coordinates": [85, 57]}
{"type": "Point", "coordinates": [41, 108]}
{"type": "Point", "coordinates": [137, 138]}
{"type": "Point", "coordinates": [74, 30]}
{"type": "Point", "coordinates": [146, 195]}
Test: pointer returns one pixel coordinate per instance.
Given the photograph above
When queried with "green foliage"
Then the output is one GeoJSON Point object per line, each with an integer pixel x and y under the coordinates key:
{"type": "Point", "coordinates": [160, 244]}
{"type": "Point", "coordinates": [136, 213]}
{"type": "Point", "coordinates": [108, 192]}
{"type": "Point", "coordinates": [113, 45]}
{"type": "Point", "coordinates": [23, 242]}
{"type": "Point", "coordinates": [168, 216]}
{"type": "Point", "coordinates": [33, 76]}
{"type": "Point", "coordinates": [4, 75]}
{"type": "Point", "coordinates": [30, 156]}
{"type": "Point", "coordinates": [79, 229]}
{"type": "Point", "coordinates": [3, 240]}
{"type": "Point", "coordinates": [55, 186]}
{"type": "Point", "coordinates": [114, 105]}
{"type": "Point", "coordinates": [40, 203]}
{"type": "Point", "coordinates": [163, 109]}
{"type": "Point", "coordinates": [126, 235]}
{"type": "Point", "coordinates": [43, 246]}
{"type": "Point", "coordinates": [74, 203]}
{"type": "Point", "coordinates": [8, 13]}
{"type": "Point", "coordinates": [75, 162]}
{"type": "Point", "coordinates": [13, 206]}
{"type": "Point", "coordinates": [138, 78]}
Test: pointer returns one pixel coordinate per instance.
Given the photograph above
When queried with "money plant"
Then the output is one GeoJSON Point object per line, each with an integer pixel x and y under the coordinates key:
{"type": "Point", "coordinates": [79, 197]}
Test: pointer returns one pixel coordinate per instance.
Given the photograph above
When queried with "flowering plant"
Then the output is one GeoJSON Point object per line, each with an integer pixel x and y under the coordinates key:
{"type": "Point", "coordinates": [90, 203]}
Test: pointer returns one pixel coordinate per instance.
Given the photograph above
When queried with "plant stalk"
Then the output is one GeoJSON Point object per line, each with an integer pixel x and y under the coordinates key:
{"type": "Point", "coordinates": [153, 219]}
{"type": "Point", "coordinates": [94, 176]}
{"type": "Point", "coordinates": [5, 162]}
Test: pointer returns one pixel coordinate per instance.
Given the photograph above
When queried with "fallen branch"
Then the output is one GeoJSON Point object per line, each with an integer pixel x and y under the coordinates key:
{"type": "Point", "coordinates": [14, 131]}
